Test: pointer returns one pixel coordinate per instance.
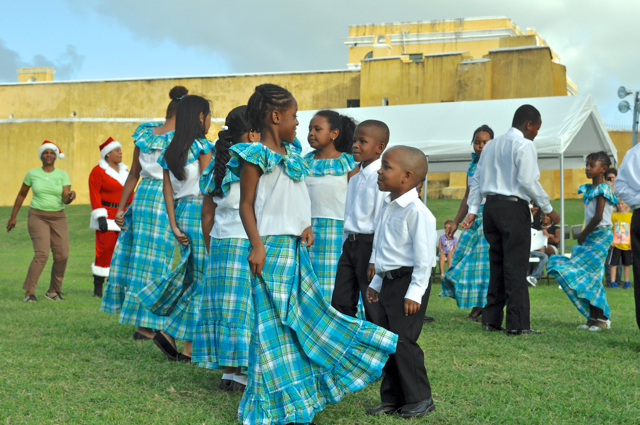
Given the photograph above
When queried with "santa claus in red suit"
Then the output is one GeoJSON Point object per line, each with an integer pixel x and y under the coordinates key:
{"type": "Point", "coordinates": [105, 189]}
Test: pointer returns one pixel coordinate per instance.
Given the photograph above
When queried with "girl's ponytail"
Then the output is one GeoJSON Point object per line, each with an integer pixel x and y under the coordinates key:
{"type": "Point", "coordinates": [235, 126]}
{"type": "Point", "coordinates": [344, 124]}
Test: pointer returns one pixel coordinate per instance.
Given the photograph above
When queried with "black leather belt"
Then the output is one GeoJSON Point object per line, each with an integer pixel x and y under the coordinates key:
{"type": "Point", "coordinates": [364, 237]}
{"type": "Point", "coordinates": [109, 204]}
{"type": "Point", "coordinates": [505, 198]}
{"type": "Point", "coordinates": [394, 274]}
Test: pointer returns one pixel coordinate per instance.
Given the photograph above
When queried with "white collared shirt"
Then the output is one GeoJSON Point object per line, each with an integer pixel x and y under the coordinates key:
{"type": "Point", "coordinates": [364, 200]}
{"type": "Point", "coordinates": [508, 166]}
{"type": "Point", "coordinates": [405, 236]}
{"type": "Point", "coordinates": [627, 183]}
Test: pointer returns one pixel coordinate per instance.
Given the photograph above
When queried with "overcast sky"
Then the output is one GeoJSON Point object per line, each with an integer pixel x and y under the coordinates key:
{"type": "Point", "coordinates": [598, 41]}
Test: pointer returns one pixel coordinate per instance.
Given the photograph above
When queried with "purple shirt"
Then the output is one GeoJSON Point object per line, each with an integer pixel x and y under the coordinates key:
{"type": "Point", "coordinates": [447, 244]}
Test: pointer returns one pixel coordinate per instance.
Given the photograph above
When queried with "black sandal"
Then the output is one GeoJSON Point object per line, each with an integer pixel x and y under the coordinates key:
{"type": "Point", "coordinates": [165, 346]}
{"type": "Point", "coordinates": [140, 337]}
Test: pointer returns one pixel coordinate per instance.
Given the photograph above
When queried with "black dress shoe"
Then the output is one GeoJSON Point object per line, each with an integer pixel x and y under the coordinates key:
{"type": "Point", "coordinates": [522, 332]}
{"type": "Point", "coordinates": [383, 409]}
{"type": "Point", "coordinates": [165, 346]}
{"type": "Point", "coordinates": [225, 384]}
{"type": "Point", "coordinates": [415, 410]}
{"type": "Point", "coordinates": [140, 337]}
{"type": "Point", "coordinates": [182, 358]}
{"type": "Point", "coordinates": [237, 387]}
{"type": "Point", "coordinates": [491, 328]}
{"type": "Point", "coordinates": [429, 319]}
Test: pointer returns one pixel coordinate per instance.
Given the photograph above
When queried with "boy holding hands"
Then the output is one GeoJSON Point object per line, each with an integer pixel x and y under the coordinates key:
{"type": "Point", "coordinates": [404, 246]}
{"type": "Point", "coordinates": [364, 201]}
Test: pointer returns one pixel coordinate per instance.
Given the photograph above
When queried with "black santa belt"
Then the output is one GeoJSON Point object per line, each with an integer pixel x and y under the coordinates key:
{"type": "Point", "coordinates": [111, 205]}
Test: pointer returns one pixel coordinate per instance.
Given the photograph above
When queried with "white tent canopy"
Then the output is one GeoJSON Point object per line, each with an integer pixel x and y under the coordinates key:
{"type": "Point", "coordinates": [571, 125]}
{"type": "Point", "coordinates": [571, 129]}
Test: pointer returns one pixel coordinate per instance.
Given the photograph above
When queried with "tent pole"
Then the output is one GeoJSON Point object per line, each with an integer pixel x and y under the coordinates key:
{"type": "Point", "coordinates": [562, 203]}
{"type": "Point", "coordinates": [426, 184]}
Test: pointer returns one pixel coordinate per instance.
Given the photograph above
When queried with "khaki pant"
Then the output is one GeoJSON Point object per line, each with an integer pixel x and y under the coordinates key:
{"type": "Point", "coordinates": [48, 229]}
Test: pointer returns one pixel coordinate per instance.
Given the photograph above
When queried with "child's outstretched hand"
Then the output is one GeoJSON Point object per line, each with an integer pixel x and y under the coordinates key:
{"type": "Point", "coordinates": [410, 307]}
{"type": "Point", "coordinates": [372, 295]}
{"type": "Point", "coordinates": [307, 237]}
{"type": "Point", "coordinates": [257, 257]}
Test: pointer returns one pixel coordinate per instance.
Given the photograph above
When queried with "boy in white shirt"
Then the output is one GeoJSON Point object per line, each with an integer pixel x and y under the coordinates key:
{"type": "Point", "coordinates": [364, 201]}
{"type": "Point", "coordinates": [404, 245]}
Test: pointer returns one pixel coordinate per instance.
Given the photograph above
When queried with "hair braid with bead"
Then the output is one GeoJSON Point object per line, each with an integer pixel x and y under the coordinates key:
{"type": "Point", "coordinates": [237, 126]}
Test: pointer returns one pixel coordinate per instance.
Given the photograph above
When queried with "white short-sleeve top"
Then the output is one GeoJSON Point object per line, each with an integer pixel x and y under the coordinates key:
{"type": "Point", "coordinates": [282, 205]}
{"type": "Point", "coordinates": [590, 202]}
{"type": "Point", "coordinates": [327, 183]}
{"type": "Point", "coordinates": [151, 147]}
{"type": "Point", "coordinates": [190, 186]}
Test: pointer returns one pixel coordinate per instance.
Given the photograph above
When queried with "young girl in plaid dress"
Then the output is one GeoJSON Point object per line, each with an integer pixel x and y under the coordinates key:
{"type": "Point", "coordinates": [581, 275]}
{"type": "Point", "coordinates": [330, 168]}
{"type": "Point", "coordinates": [145, 246]}
{"type": "Point", "coordinates": [303, 353]}
{"type": "Point", "coordinates": [178, 294]}
{"type": "Point", "coordinates": [223, 330]}
{"type": "Point", "coordinates": [467, 279]}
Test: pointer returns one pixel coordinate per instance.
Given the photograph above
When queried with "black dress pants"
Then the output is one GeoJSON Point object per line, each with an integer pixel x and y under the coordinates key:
{"type": "Point", "coordinates": [404, 377]}
{"type": "Point", "coordinates": [507, 227]}
{"type": "Point", "coordinates": [635, 253]}
{"type": "Point", "coordinates": [351, 280]}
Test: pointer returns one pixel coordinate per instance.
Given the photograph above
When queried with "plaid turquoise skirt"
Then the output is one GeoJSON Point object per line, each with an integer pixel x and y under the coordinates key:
{"type": "Point", "coordinates": [225, 320]}
{"type": "Point", "coordinates": [144, 253]}
{"type": "Point", "coordinates": [177, 294]}
{"type": "Point", "coordinates": [325, 254]}
{"type": "Point", "coordinates": [467, 280]}
{"type": "Point", "coordinates": [303, 353]}
{"type": "Point", "coordinates": [581, 275]}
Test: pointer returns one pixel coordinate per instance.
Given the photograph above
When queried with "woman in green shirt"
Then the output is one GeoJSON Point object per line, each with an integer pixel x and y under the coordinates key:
{"type": "Point", "coordinates": [47, 221]}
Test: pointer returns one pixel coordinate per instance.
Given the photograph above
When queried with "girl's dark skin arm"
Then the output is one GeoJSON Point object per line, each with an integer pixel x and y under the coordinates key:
{"type": "Point", "coordinates": [462, 213]}
{"type": "Point", "coordinates": [167, 191]}
{"type": "Point", "coordinates": [249, 176]}
{"type": "Point", "coordinates": [207, 218]}
{"type": "Point", "coordinates": [582, 236]}
{"type": "Point", "coordinates": [129, 186]}
{"type": "Point", "coordinates": [555, 238]}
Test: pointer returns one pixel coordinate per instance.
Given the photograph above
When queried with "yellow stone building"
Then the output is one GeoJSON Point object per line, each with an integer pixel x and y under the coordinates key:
{"type": "Point", "coordinates": [388, 64]}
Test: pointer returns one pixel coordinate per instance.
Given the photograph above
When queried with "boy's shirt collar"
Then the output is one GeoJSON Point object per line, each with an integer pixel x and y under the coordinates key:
{"type": "Point", "coordinates": [405, 199]}
{"type": "Point", "coordinates": [371, 168]}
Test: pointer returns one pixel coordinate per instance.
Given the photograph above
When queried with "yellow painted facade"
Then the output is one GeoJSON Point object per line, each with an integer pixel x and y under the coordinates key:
{"type": "Point", "coordinates": [394, 64]}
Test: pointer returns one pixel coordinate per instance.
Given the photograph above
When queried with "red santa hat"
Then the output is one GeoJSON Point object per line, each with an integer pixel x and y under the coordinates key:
{"type": "Point", "coordinates": [50, 145]}
{"type": "Point", "coordinates": [108, 146]}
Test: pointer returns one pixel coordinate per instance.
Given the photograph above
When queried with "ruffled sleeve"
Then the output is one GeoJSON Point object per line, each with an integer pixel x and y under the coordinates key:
{"type": "Point", "coordinates": [601, 189]}
{"type": "Point", "coordinates": [473, 165]}
{"type": "Point", "coordinates": [199, 146]}
{"type": "Point", "coordinates": [146, 141]}
{"type": "Point", "coordinates": [208, 177]}
{"type": "Point", "coordinates": [340, 166]}
{"type": "Point", "coordinates": [260, 155]}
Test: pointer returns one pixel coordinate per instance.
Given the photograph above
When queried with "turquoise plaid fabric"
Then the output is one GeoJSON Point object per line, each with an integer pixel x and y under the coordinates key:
{"type": "Point", "coordinates": [589, 192]}
{"type": "Point", "coordinates": [146, 141]}
{"type": "Point", "coordinates": [467, 280]}
{"type": "Point", "coordinates": [144, 252]}
{"type": "Point", "coordinates": [340, 166]}
{"type": "Point", "coordinates": [325, 252]}
{"type": "Point", "coordinates": [225, 320]}
{"type": "Point", "coordinates": [303, 354]}
{"type": "Point", "coordinates": [199, 146]}
{"type": "Point", "coordinates": [581, 275]}
{"type": "Point", "coordinates": [207, 180]}
{"type": "Point", "coordinates": [178, 293]}
{"type": "Point", "coordinates": [256, 153]}
{"type": "Point", "coordinates": [473, 165]}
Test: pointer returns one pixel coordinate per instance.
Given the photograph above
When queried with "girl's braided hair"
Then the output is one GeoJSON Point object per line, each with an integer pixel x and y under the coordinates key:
{"type": "Point", "coordinates": [345, 125]}
{"type": "Point", "coordinates": [237, 126]}
{"type": "Point", "coordinates": [265, 99]}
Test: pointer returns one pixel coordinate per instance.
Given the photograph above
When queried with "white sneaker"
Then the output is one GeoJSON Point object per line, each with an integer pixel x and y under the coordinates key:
{"type": "Point", "coordinates": [585, 326]}
{"type": "Point", "coordinates": [594, 329]}
{"type": "Point", "coordinates": [532, 280]}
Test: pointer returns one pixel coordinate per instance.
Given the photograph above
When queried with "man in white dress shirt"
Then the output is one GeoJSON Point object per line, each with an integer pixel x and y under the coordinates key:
{"type": "Point", "coordinates": [628, 189]}
{"type": "Point", "coordinates": [405, 249]}
{"type": "Point", "coordinates": [507, 176]}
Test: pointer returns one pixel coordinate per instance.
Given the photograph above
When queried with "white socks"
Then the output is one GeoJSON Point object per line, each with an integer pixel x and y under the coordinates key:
{"type": "Point", "coordinates": [228, 376]}
{"type": "Point", "coordinates": [241, 379]}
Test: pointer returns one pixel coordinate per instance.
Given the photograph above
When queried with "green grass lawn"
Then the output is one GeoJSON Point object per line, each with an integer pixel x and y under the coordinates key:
{"type": "Point", "coordinates": [67, 363]}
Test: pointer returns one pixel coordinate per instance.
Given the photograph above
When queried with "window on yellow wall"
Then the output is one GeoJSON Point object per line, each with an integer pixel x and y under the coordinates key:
{"type": "Point", "coordinates": [369, 55]}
